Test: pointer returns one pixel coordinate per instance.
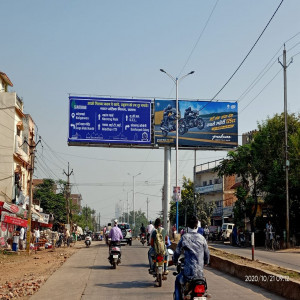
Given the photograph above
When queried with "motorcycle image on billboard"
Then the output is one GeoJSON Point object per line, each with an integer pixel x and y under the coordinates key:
{"type": "Point", "coordinates": [200, 123]}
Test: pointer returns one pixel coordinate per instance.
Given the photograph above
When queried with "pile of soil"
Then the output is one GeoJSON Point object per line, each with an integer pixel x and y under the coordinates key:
{"type": "Point", "coordinates": [22, 274]}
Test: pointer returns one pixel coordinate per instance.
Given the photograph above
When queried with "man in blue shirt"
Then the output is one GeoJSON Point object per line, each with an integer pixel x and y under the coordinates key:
{"type": "Point", "coordinates": [196, 255]}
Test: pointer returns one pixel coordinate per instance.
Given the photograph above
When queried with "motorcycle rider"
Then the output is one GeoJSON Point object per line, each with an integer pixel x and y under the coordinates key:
{"type": "Point", "coordinates": [166, 117]}
{"type": "Point", "coordinates": [143, 230]}
{"type": "Point", "coordinates": [150, 227]}
{"type": "Point", "coordinates": [187, 113]}
{"type": "Point", "coordinates": [196, 255]}
{"type": "Point", "coordinates": [115, 234]}
{"type": "Point", "coordinates": [151, 252]}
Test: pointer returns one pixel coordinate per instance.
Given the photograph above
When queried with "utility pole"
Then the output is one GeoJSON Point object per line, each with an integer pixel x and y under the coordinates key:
{"type": "Point", "coordinates": [32, 147]}
{"type": "Point", "coordinates": [86, 215]}
{"type": "Point", "coordinates": [68, 194]}
{"type": "Point", "coordinates": [127, 209]}
{"type": "Point", "coordinates": [99, 222]}
{"type": "Point", "coordinates": [287, 163]}
{"type": "Point", "coordinates": [147, 208]}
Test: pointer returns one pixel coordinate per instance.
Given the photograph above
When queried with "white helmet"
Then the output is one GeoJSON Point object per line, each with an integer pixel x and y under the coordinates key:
{"type": "Point", "coordinates": [116, 221]}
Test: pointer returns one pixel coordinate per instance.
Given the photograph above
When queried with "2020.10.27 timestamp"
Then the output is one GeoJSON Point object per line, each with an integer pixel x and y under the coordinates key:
{"type": "Point", "coordinates": [266, 278]}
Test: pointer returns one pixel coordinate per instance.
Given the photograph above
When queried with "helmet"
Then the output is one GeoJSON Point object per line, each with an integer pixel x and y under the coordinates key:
{"type": "Point", "coordinates": [169, 106]}
{"type": "Point", "coordinates": [150, 222]}
{"type": "Point", "coordinates": [116, 221]}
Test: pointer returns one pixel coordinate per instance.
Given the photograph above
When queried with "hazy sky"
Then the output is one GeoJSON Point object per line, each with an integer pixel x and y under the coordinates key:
{"type": "Point", "coordinates": [52, 48]}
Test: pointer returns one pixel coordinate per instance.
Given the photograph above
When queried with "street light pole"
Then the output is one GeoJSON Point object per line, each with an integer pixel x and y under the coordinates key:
{"type": "Point", "coordinates": [176, 81]}
{"type": "Point", "coordinates": [133, 196]}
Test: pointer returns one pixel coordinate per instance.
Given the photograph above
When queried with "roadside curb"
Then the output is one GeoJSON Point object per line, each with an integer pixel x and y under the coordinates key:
{"type": "Point", "coordinates": [285, 287]}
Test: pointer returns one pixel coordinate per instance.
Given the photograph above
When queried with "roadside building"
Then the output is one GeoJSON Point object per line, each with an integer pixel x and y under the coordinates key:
{"type": "Point", "coordinates": [16, 134]}
{"type": "Point", "coordinates": [217, 190]}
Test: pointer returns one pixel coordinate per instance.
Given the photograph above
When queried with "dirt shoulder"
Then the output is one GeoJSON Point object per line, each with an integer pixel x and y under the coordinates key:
{"type": "Point", "coordinates": [22, 274]}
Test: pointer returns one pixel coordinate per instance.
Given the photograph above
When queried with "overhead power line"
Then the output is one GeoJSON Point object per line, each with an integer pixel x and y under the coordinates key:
{"type": "Point", "coordinates": [207, 21]}
{"type": "Point", "coordinates": [214, 97]}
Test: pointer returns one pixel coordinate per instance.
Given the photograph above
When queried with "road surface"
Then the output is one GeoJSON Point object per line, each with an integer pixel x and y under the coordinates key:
{"type": "Point", "coordinates": [88, 275]}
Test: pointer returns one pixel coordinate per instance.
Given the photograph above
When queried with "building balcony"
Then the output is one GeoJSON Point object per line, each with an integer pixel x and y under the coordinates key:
{"type": "Point", "coordinates": [18, 149]}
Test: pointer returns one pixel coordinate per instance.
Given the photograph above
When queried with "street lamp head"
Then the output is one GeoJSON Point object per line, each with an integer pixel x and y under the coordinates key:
{"type": "Point", "coordinates": [162, 70]}
{"type": "Point", "coordinates": [192, 72]}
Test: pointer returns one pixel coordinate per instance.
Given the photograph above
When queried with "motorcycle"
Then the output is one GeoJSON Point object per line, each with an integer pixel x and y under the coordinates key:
{"type": "Point", "coordinates": [88, 241]}
{"type": "Point", "coordinates": [194, 289]}
{"type": "Point", "coordinates": [169, 124]}
{"type": "Point", "coordinates": [241, 239]}
{"type": "Point", "coordinates": [143, 238]}
{"type": "Point", "coordinates": [190, 120]}
{"type": "Point", "coordinates": [159, 261]}
{"type": "Point", "coordinates": [114, 254]}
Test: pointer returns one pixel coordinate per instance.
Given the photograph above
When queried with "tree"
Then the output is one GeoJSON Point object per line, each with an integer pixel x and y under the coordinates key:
{"type": "Point", "coordinates": [86, 218]}
{"type": "Point", "coordinates": [243, 162]}
{"type": "Point", "coordinates": [270, 142]}
{"type": "Point", "coordinates": [261, 166]}
{"type": "Point", "coordinates": [139, 219]}
{"type": "Point", "coordinates": [190, 206]}
{"type": "Point", "coordinates": [51, 202]}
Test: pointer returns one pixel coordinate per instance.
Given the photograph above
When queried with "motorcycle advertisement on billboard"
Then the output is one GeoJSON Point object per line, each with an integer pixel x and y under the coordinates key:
{"type": "Point", "coordinates": [200, 123]}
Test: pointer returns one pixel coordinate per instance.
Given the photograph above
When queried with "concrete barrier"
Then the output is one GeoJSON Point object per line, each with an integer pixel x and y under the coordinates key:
{"type": "Point", "coordinates": [279, 284]}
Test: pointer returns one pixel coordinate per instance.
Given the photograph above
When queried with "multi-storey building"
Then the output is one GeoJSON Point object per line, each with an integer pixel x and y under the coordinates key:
{"type": "Point", "coordinates": [218, 190]}
{"type": "Point", "coordinates": [76, 200]}
{"type": "Point", "coordinates": [16, 132]}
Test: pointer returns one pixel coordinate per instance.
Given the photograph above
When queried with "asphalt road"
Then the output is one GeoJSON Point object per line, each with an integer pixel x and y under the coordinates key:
{"type": "Point", "coordinates": [88, 275]}
{"type": "Point", "coordinates": [290, 260]}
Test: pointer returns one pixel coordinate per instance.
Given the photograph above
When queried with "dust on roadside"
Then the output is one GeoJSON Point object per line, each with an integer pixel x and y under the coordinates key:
{"type": "Point", "coordinates": [22, 275]}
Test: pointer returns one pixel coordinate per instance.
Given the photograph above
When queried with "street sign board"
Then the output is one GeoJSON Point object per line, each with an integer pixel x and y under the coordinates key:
{"type": "Point", "coordinates": [95, 120]}
{"type": "Point", "coordinates": [209, 124]}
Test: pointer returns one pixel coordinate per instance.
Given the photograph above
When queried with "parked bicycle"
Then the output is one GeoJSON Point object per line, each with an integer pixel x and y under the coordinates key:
{"type": "Point", "coordinates": [272, 241]}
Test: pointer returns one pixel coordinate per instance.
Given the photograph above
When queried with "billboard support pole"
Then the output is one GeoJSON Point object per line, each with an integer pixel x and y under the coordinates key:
{"type": "Point", "coordinates": [176, 81]}
{"type": "Point", "coordinates": [167, 187]}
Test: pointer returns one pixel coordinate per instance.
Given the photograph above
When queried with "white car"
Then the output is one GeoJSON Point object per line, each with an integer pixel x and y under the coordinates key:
{"type": "Point", "coordinates": [226, 230]}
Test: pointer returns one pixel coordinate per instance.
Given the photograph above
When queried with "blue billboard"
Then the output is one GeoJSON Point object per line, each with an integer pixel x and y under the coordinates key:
{"type": "Point", "coordinates": [200, 124]}
{"type": "Point", "coordinates": [109, 120]}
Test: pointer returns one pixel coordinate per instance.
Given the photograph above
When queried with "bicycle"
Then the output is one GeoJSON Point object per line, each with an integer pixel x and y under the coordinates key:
{"type": "Point", "coordinates": [272, 242]}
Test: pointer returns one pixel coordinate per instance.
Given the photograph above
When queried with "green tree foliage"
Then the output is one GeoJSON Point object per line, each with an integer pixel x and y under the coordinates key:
{"type": "Point", "coordinates": [139, 219]}
{"type": "Point", "coordinates": [190, 206]}
{"type": "Point", "coordinates": [269, 140]}
{"type": "Point", "coordinates": [244, 162]}
{"type": "Point", "coordinates": [261, 166]}
{"type": "Point", "coordinates": [86, 218]}
{"type": "Point", "coordinates": [51, 202]}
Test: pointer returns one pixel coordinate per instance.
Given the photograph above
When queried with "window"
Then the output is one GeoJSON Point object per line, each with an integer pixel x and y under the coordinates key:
{"type": "Point", "coordinates": [210, 182]}
{"type": "Point", "coordinates": [204, 183]}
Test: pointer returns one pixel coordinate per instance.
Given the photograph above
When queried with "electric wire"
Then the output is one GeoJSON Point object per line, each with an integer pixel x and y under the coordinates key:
{"type": "Point", "coordinates": [237, 69]}
{"type": "Point", "coordinates": [260, 76]}
{"type": "Point", "coordinates": [200, 36]}
{"type": "Point", "coordinates": [260, 91]}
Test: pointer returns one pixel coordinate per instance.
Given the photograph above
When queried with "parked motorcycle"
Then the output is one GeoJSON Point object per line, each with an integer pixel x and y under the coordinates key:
{"type": "Point", "coordinates": [114, 254]}
{"type": "Point", "coordinates": [88, 241]}
{"type": "Point", "coordinates": [143, 239]}
{"type": "Point", "coordinates": [194, 289]}
{"type": "Point", "coordinates": [241, 239]}
{"type": "Point", "coordinates": [190, 120]}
